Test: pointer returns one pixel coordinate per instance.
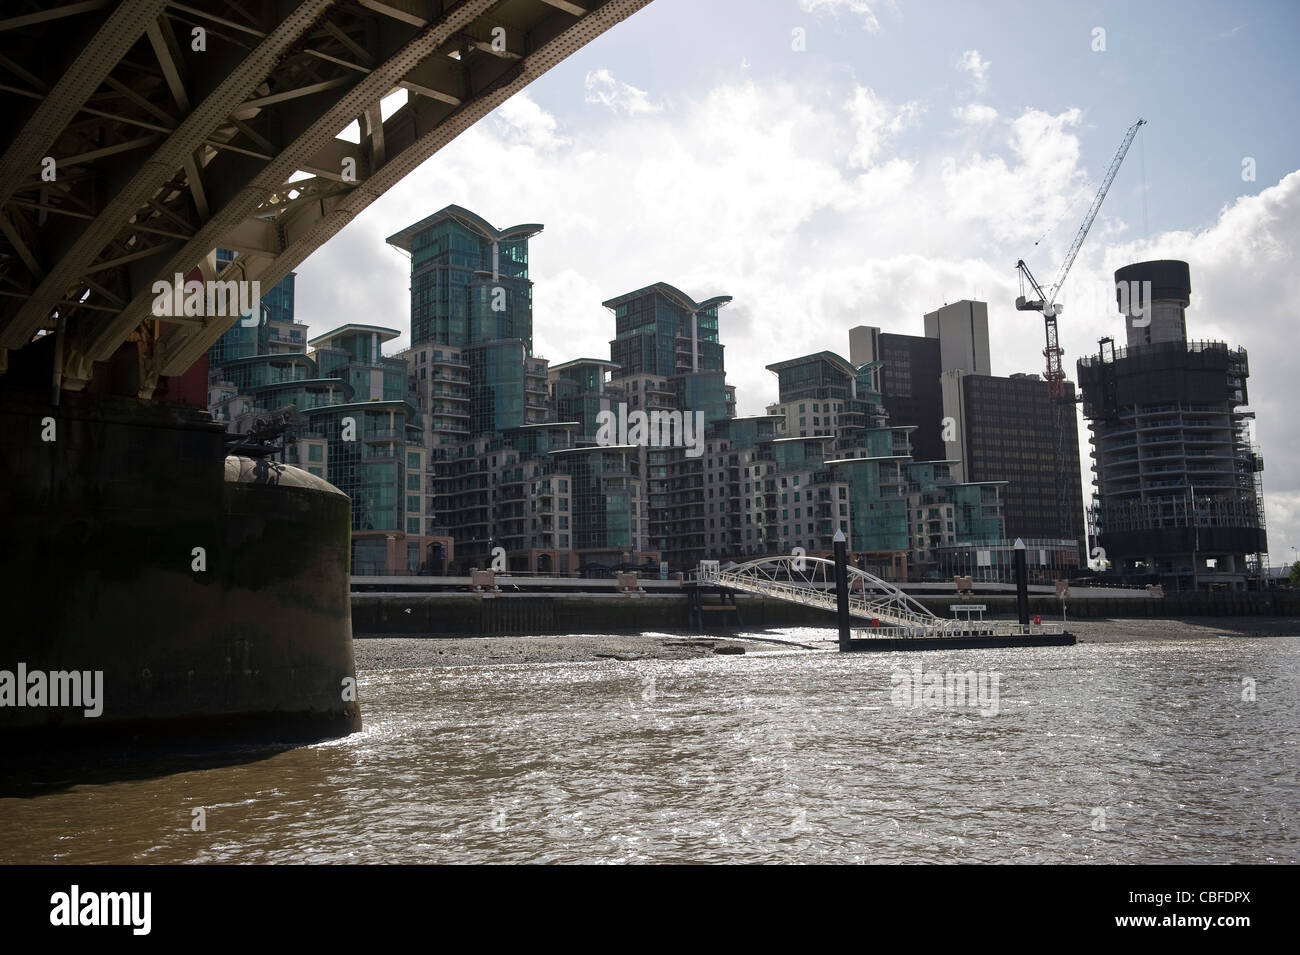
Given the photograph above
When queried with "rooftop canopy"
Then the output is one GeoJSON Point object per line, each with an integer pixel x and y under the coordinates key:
{"type": "Point", "coordinates": [385, 334]}
{"type": "Point", "coordinates": [828, 356]}
{"type": "Point", "coordinates": [580, 362]}
{"type": "Point", "coordinates": [469, 220]}
{"type": "Point", "coordinates": [673, 294]}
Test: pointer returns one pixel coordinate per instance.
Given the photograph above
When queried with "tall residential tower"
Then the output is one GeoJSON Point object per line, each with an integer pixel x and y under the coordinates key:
{"type": "Point", "coordinates": [1178, 491]}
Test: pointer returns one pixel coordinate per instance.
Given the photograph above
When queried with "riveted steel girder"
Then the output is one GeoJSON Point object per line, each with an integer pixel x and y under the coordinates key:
{"type": "Point", "coordinates": [144, 135]}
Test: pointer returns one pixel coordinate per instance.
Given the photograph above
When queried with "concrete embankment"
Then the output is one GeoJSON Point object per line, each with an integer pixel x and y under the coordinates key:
{"type": "Point", "coordinates": [465, 614]}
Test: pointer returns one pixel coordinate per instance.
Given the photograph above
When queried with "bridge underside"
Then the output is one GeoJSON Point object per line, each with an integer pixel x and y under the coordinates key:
{"type": "Point", "coordinates": [145, 135]}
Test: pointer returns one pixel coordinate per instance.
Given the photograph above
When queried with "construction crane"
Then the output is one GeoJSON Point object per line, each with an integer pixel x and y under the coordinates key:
{"type": "Point", "coordinates": [1045, 302]}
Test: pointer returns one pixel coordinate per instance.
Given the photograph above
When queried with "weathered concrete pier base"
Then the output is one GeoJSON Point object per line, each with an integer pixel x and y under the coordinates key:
{"type": "Point", "coordinates": [211, 592]}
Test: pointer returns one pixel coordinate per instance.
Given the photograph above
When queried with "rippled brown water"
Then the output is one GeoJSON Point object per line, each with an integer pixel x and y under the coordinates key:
{"type": "Point", "coordinates": [1134, 752]}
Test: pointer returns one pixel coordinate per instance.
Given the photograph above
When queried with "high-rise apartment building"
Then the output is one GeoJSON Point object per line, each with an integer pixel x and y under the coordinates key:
{"type": "Point", "coordinates": [659, 330]}
{"type": "Point", "coordinates": [469, 280]}
{"type": "Point", "coordinates": [1178, 489]}
{"type": "Point", "coordinates": [824, 395]}
{"type": "Point", "coordinates": [374, 448]}
{"type": "Point", "coordinates": [670, 360]}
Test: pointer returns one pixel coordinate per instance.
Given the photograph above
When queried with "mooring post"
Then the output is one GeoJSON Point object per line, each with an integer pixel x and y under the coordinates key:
{"type": "Point", "coordinates": [1022, 583]}
{"type": "Point", "coordinates": [842, 588]}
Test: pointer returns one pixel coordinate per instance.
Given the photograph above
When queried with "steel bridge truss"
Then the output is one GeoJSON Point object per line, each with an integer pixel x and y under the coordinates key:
{"type": "Point", "coordinates": [810, 581]}
{"type": "Point", "coordinates": [142, 136]}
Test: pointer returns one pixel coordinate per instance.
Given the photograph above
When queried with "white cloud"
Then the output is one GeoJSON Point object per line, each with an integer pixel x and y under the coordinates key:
{"type": "Point", "coordinates": [975, 114]}
{"type": "Point", "coordinates": [604, 89]}
{"type": "Point", "coordinates": [860, 8]}
{"type": "Point", "coordinates": [874, 121]}
{"type": "Point", "coordinates": [525, 123]}
{"type": "Point", "coordinates": [971, 62]}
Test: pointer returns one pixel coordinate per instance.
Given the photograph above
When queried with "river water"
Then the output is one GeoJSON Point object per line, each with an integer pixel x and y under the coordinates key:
{"type": "Point", "coordinates": [1121, 752]}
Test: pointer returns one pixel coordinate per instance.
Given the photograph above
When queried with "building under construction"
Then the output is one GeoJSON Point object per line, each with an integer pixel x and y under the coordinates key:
{"type": "Point", "coordinates": [1178, 492]}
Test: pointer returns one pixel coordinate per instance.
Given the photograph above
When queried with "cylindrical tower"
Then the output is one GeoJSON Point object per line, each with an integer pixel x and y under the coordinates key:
{"type": "Point", "coordinates": [1177, 477]}
{"type": "Point", "coordinates": [1155, 296]}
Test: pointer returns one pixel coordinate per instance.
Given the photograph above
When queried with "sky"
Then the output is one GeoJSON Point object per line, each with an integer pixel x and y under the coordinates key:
{"type": "Point", "coordinates": [830, 163]}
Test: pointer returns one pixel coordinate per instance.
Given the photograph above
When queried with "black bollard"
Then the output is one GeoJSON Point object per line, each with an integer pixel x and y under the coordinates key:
{"type": "Point", "coordinates": [842, 588]}
{"type": "Point", "coordinates": [1022, 582]}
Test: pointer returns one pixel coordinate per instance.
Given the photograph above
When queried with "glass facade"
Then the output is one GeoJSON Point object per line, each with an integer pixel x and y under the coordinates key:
{"type": "Point", "coordinates": [371, 468]}
{"type": "Point", "coordinates": [469, 281]}
{"type": "Point", "coordinates": [707, 392]}
{"type": "Point", "coordinates": [277, 312]}
{"type": "Point", "coordinates": [601, 499]}
{"type": "Point", "coordinates": [654, 335]}
{"type": "Point", "coordinates": [496, 391]}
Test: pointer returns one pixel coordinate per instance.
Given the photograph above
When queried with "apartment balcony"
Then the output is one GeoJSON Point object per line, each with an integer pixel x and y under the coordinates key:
{"type": "Point", "coordinates": [448, 360]}
{"type": "Point", "coordinates": [448, 425]}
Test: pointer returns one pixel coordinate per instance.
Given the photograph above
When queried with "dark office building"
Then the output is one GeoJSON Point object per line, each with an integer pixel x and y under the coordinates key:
{"type": "Point", "coordinates": [1012, 431]}
{"type": "Point", "coordinates": [909, 370]}
{"type": "Point", "coordinates": [998, 429]}
{"type": "Point", "coordinates": [909, 386]}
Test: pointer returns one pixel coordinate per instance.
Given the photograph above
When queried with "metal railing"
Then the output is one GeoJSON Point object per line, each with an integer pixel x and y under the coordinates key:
{"type": "Point", "coordinates": [803, 580]}
{"type": "Point", "coordinates": [992, 628]}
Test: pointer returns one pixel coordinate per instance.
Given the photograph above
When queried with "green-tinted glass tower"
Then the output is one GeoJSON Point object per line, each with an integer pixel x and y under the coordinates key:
{"type": "Point", "coordinates": [469, 280]}
{"type": "Point", "coordinates": [659, 330]}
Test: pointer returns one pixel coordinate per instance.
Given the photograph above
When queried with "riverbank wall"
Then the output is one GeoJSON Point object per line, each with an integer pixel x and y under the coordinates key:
{"type": "Point", "coordinates": [467, 614]}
